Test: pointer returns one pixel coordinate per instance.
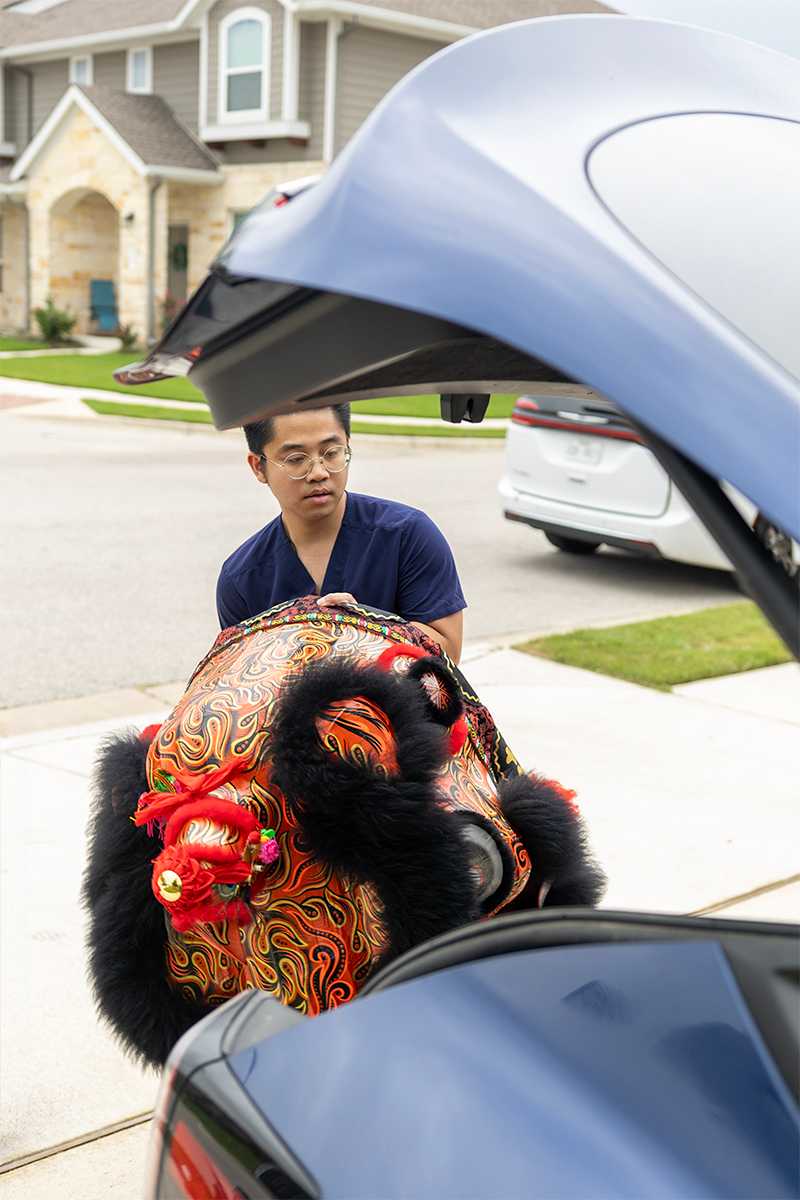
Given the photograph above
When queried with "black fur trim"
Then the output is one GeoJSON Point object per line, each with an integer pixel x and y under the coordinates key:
{"type": "Point", "coordinates": [391, 833]}
{"type": "Point", "coordinates": [555, 837]}
{"type": "Point", "coordinates": [127, 931]}
{"type": "Point", "coordinates": [454, 708]}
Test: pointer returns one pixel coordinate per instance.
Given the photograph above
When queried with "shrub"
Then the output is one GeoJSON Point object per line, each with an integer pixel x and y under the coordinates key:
{"type": "Point", "coordinates": [55, 323]}
{"type": "Point", "coordinates": [128, 336]}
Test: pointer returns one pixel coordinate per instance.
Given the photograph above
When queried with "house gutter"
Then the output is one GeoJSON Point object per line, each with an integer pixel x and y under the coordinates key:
{"type": "Point", "coordinates": [157, 183]}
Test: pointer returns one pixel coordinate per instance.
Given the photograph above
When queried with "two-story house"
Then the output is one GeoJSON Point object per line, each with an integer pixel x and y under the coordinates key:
{"type": "Point", "coordinates": [134, 134]}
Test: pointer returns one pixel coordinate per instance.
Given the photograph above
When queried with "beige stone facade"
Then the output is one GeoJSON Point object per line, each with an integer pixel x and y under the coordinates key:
{"type": "Point", "coordinates": [209, 211]}
{"type": "Point", "coordinates": [13, 293]}
{"type": "Point", "coordinates": [92, 215]}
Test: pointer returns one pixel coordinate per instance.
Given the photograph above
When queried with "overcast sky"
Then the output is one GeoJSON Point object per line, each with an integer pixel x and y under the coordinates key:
{"type": "Point", "coordinates": [775, 23]}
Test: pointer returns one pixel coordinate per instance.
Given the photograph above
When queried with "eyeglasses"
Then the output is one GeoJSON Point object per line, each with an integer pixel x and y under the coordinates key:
{"type": "Point", "coordinates": [300, 466]}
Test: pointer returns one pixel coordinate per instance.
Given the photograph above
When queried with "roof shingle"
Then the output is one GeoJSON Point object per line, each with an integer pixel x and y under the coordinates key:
{"type": "Point", "coordinates": [151, 129]}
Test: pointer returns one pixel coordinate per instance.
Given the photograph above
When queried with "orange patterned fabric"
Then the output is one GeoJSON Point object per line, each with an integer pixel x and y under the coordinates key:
{"type": "Point", "coordinates": [314, 938]}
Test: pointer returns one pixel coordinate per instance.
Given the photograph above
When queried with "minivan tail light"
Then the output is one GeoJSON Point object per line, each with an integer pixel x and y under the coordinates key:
{"type": "Point", "coordinates": [523, 410]}
{"type": "Point", "coordinates": [540, 421]}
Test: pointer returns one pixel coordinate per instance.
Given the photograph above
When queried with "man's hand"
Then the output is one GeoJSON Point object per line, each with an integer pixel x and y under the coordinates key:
{"type": "Point", "coordinates": [336, 600]}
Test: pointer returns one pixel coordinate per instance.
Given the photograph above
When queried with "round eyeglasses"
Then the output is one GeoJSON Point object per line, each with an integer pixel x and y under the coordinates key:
{"type": "Point", "coordinates": [300, 466]}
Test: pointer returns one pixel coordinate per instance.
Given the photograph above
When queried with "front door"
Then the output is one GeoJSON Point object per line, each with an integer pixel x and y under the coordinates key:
{"type": "Point", "coordinates": [177, 269]}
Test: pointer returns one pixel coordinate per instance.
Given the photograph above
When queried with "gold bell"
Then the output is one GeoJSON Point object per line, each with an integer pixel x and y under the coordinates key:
{"type": "Point", "coordinates": [169, 886]}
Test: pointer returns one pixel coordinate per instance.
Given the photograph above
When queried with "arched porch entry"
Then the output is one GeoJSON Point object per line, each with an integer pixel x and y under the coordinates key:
{"type": "Point", "coordinates": [85, 259]}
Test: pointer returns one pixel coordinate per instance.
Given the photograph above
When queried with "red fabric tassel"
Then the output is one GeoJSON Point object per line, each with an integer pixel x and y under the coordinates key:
{"type": "Point", "coordinates": [159, 806]}
{"type": "Point", "coordinates": [227, 813]}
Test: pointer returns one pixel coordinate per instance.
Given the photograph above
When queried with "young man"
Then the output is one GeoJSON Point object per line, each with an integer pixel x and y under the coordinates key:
{"type": "Point", "coordinates": [342, 546]}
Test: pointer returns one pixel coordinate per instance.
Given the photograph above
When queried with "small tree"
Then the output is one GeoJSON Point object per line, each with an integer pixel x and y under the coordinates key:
{"type": "Point", "coordinates": [56, 324]}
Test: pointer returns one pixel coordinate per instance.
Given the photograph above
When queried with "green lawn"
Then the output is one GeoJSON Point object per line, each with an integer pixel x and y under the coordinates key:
{"type": "Point", "coordinates": [96, 371]}
{"type": "Point", "coordinates": [157, 412]}
{"type": "Point", "coordinates": [93, 371]}
{"type": "Point", "coordinates": [15, 343]}
{"type": "Point", "coordinates": [671, 650]}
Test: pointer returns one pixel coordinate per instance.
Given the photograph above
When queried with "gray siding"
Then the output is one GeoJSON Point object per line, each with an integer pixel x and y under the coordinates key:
{"type": "Point", "coordinates": [9, 131]}
{"type": "Point", "coordinates": [275, 150]}
{"type": "Point", "coordinates": [176, 77]}
{"type": "Point", "coordinates": [312, 84]}
{"type": "Point", "coordinates": [371, 61]}
{"type": "Point", "coordinates": [221, 10]}
{"type": "Point", "coordinates": [50, 81]}
{"type": "Point", "coordinates": [109, 70]}
{"type": "Point", "coordinates": [18, 121]}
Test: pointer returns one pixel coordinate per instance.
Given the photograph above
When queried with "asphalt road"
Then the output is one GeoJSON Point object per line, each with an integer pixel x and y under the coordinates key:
{"type": "Point", "coordinates": [112, 534]}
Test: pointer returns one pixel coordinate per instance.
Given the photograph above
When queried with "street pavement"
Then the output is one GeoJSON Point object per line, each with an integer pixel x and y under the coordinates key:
{"type": "Point", "coordinates": [113, 532]}
{"type": "Point", "coordinates": [691, 802]}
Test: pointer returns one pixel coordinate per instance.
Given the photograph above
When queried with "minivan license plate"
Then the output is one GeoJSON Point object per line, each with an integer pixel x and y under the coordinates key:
{"type": "Point", "coordinates": [584, 451]}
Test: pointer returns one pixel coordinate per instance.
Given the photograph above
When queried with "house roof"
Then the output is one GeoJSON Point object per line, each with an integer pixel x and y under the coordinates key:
{"type": "Point", "coordinates": [92, 20]}
{"type": "Point", "coordinates": [82, 18]}
{"type": "Point", "coordinates": [151, 129]}
{"type": "Point", "coordinates": [482, 14]}
{"type": "Point", "coordinates": [144, 127]}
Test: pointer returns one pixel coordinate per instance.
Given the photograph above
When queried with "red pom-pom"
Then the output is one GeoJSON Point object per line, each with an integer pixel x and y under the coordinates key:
{"type": "Point", "coordinates": [399, 650]}
{"type": "Point", "coordinates": [149, 733]}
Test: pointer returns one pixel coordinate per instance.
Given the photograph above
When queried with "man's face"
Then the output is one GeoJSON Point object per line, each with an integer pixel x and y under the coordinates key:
{"type": "Point", "coordinates": [312, 434]}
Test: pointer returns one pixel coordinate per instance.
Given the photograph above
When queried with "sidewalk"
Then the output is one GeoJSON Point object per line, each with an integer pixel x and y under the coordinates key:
{"type": "Point", "coordinates": [691, 801]}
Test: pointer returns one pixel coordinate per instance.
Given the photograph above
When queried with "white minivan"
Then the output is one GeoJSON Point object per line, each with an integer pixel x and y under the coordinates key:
{"type": "Point", "coordinates": [578, 470]}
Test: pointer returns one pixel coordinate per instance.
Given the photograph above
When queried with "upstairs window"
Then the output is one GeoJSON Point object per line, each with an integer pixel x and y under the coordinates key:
{"type": "Point", "coordinates": [244, 65]}
{"type": "Point", "coordinates": [140, 69]}
{"type": "Point", "coordinates": [80, 70]}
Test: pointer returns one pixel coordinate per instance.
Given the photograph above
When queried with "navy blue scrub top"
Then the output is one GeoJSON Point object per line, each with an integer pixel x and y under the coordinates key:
{"type": "Point", "coordinates": [386, 554]}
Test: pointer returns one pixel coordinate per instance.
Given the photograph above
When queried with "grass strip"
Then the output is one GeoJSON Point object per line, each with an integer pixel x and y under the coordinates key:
{"type": "Point", "coordinates": [437, 431]}
{"type": "Point", "coordinates": [11, 344]}
{"type": "Point", "coordinates": [158, 412]}
{"type": "Point", "coordinates": [151, 412]}
{"type": "Point", "coordinates": [94, 371]}
{"type": "Point", "coordinates": [671, 650]}
{"type": "Point", "coordinates": [97, 371]}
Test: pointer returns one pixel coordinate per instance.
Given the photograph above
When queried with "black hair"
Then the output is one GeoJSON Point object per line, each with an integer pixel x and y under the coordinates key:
{"type": "Point", "coordinates": [258, 433]}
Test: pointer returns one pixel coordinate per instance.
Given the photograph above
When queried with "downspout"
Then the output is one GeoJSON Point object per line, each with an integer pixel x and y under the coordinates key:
{"type": "Point", "coordinates": [151, 261]}
{"type": "Point", "coordinates": [331, 73]}
{"type": "Point", "coordinates": [27, 265]}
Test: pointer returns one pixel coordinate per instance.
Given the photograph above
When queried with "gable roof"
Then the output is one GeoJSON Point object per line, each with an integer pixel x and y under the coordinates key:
{"type": "Point", "coordinates": [143, 128]}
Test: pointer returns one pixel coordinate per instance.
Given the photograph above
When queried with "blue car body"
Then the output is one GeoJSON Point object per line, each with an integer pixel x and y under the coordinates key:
{"type": "Point", "coordinates": [603, 1071]}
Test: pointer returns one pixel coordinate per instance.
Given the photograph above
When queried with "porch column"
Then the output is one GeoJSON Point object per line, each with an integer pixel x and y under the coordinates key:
{"type": "Point", "coordinates": [134, 235]}
{"type": "Point", "coordinates": [157, 265]}
{"type": "Point", "coordinates": [38, 251]}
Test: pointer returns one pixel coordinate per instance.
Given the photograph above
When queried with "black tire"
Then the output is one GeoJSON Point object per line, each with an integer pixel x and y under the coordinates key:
{"type": "Point", "coordinates": [571, 545]}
